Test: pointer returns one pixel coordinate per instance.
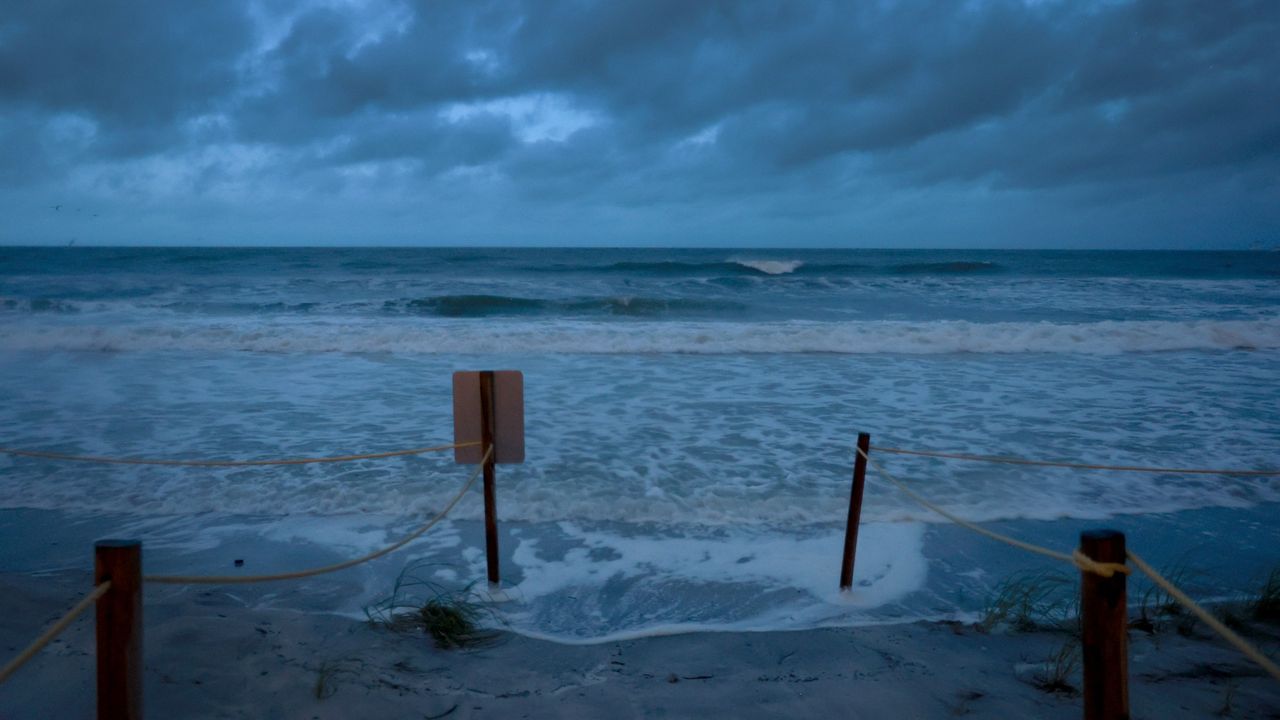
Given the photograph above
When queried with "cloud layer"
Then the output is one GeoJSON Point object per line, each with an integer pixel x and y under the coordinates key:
{"type": "Point", "coordinates": [892, 123]}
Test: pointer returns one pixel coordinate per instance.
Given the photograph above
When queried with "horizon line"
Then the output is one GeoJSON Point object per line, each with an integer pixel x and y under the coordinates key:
{"type": "Point", "coordinates": [807, 248]}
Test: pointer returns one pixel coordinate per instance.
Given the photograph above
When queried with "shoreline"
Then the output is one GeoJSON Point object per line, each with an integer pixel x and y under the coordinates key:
{"type": "Point", "coordinates": [209, 655]}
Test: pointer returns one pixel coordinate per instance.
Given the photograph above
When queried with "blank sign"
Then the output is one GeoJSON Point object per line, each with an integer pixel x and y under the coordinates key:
{"type": "Point", "coordinates": [508, 404]}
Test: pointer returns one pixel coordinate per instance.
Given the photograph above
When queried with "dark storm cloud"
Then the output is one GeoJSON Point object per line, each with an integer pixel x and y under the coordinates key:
{"type": "Point", "coordinates": [137, 69]}
{"type": "Point", "coordinates": [1138, 88]}
{"type": "Point", "coordinates": [655, 102]}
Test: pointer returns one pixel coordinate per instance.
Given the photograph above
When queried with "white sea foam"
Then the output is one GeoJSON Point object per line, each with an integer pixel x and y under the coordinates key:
{"type": "Point", "coordinates": [689, 447]}
{"type": "Point", "coordinates": [609, 586]}
{"type": "Point", "coordinates": [719, 440]}
{"type": "Point", "coordinates": [558, 336]}
{"type": "Point", "coordinates": [771, 267]}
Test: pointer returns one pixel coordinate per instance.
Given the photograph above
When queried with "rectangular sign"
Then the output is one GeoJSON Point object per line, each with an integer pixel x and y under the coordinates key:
{"type": "Point", "coordinates": [508, 407]}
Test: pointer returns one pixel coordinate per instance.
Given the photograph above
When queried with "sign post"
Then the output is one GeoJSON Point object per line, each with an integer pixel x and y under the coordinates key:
{"type": "Point", "coordinates": [488, 407]}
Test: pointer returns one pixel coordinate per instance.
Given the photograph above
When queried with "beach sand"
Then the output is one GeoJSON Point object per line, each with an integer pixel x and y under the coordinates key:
{"type": "Point", "coordinates": [216, 653]}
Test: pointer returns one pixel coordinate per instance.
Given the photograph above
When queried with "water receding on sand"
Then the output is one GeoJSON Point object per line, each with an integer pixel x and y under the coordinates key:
{"type": "Point", "coordinates": [688, 462]}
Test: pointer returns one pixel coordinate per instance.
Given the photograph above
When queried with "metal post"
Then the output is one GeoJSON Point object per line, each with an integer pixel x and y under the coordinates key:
{"type": "Point", "coordinates": [1104, 635]}
{"type": "Point", "coordinates": [487, 425]}
{"type": "Point", "coordinates": [855, 511]}
{"type": "Point", "coordinates": [119, 629]}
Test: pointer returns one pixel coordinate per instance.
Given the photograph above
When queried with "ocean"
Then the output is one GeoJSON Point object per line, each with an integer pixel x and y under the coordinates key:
{"type": "Point", "coordinates": [690, 418]}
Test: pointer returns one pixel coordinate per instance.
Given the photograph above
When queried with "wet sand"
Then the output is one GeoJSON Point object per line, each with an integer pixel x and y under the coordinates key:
{"type": "Point", "coordinates": [210, 655]}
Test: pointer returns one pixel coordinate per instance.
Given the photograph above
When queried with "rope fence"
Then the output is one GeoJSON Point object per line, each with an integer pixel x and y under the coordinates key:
{"type": "Point", "coordinates": [1076, 465]}
{"type": "Point", "coordinates": [1206, 617]}
{"type": "Point", "coordinates": [246, 579]}
{"type": "Point", "coordinates": [1087, 564]}
{"type": "Point", "coordinates": [1099, 561]}
{"type": "Point", "coordinates": [54, 630]}
{"type": "Point", "coordinates": [118, 563]}
{"type": "Point", "coordinates": [102, 588]}
{"type": "Point", "coordinates": [1076, 558]}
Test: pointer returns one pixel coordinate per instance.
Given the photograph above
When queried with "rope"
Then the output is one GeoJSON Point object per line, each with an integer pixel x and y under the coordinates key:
{"type": "Point", "coordinates": [1076, 558]}
{"type": "Point", "coordinates": [244, 579]}
{"type": "Point", "coordinates": [229, 463]}
{"type": "Point", "coordinates": [53, 631]}
{"type": "Point", "coordinates": [1082, 466]}
{"type": "Point", "coordinates": [1097, 567]}
{"type": "Point", "coordinates": [1087, 564]}
{"type": "Point", "coordinates": [1230, 636]}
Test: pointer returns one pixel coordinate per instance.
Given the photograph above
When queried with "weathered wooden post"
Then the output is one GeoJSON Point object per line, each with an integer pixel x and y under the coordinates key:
{"type": "Point", "coordinates": [1104, 630]}
{"type": "Point", "coordinates": [488, 413]}
{"type": "Point", "coordinates": [119, 629]}
{"type": "Point", "coordinates": [855, 511]}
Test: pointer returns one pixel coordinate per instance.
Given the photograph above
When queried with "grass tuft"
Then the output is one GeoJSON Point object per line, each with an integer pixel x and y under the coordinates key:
{"type": "Point", "coordinates": [1157, 608]}
{"type": "Point", "coordinates": [453, 622]}
{"type": "Point", "coordinates": [453, 618]}
{"type": "Point", "coordinates": [1266, 604]}
{"type": "Point", "coordinates": [1027, 601]}
{"type": "Point", "coordinates": [1230, 617]}
{"type": "Point", "coordinates": [327, 675]}
{"type": "Point", "coordinates": [1056, 675]}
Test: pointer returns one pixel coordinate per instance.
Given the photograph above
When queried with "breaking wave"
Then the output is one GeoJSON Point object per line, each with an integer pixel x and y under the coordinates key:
{"type": "Point", "coordinates": [772, 267]}
{"type": "Point", "coordinates": [765, 268]}
{"type": "Point", "coordinates": [733, 267]}
{"type": "Point", "coordinates": [466, 306]}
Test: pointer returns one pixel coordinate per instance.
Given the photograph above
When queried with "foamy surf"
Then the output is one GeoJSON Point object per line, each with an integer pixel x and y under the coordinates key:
{"type": "Point", "coordinates": [597, 585]}
{"type": "Point", "coordinates": [690, 419]}
{"type": "Point", "coordinates": [771, 267]}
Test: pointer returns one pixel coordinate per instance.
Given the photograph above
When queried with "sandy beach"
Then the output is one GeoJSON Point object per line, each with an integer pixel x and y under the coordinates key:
{"type": "Point", "coordinates": [210, 656]}
{"type": "Point", "coordinates": [439, 360]}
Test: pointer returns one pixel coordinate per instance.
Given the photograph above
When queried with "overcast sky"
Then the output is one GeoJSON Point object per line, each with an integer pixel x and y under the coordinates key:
{"type": "Point", "coordinates": [861, 124]}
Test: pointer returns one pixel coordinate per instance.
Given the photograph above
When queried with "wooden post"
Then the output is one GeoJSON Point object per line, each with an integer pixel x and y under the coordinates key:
{"type": "Point", "coordinates": [855, 511]}
{"type": "Point", "coordinates": [119, 629]}
{"type": "Point", "coordinates": [487, 424]}
{"type": "Point", "coordinates": [1104, 635]}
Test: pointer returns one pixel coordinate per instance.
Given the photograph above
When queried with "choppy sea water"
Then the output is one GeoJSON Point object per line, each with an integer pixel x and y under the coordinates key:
{"type": "Point", "coordinates": [690, 414]}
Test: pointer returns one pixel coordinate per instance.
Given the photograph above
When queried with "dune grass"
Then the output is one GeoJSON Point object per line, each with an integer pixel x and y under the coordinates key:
{"type": "Point", "coordinates": [328, 672]}
{"type": "Point", "coordinates": [1059, 669]}
{"type": "Point", "coordinates": [453, 618]}
{"type": "Point", "coordinates": [1031, 600]}
{"type": "Point", "coordinates": [1156, 608]}
{"type": "Point", "coordinates": [1265, 604]}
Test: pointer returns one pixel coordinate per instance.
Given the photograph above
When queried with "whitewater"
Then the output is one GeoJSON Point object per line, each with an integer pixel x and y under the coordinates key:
{"type": "Point", "coordinates": [690, 414]}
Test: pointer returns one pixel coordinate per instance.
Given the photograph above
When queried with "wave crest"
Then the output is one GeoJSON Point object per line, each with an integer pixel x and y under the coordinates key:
{"type": "Point", "coordinates": [772, 267]}
{"type": "Point", "coordinates": [677, 268]}
{"type": "Point", "coordinates": [468, 306]}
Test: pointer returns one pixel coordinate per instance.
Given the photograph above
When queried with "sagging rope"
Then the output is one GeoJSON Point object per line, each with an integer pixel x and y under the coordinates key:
{"type": "Point", "coordinates": [1227, 633]}
{"type": "Point", "coordinates": [54, 630]}
{"type": "Point", "coordinates": [1087, 564]}
{"type": "Point", "coordinates": [229, 463]}
{"type": "Point", "coordinates": [244, 579]}
{"type": "Point", "coordinates": [1079, 466]}
{"type": "Point", "coordinates": [1077, 558]}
